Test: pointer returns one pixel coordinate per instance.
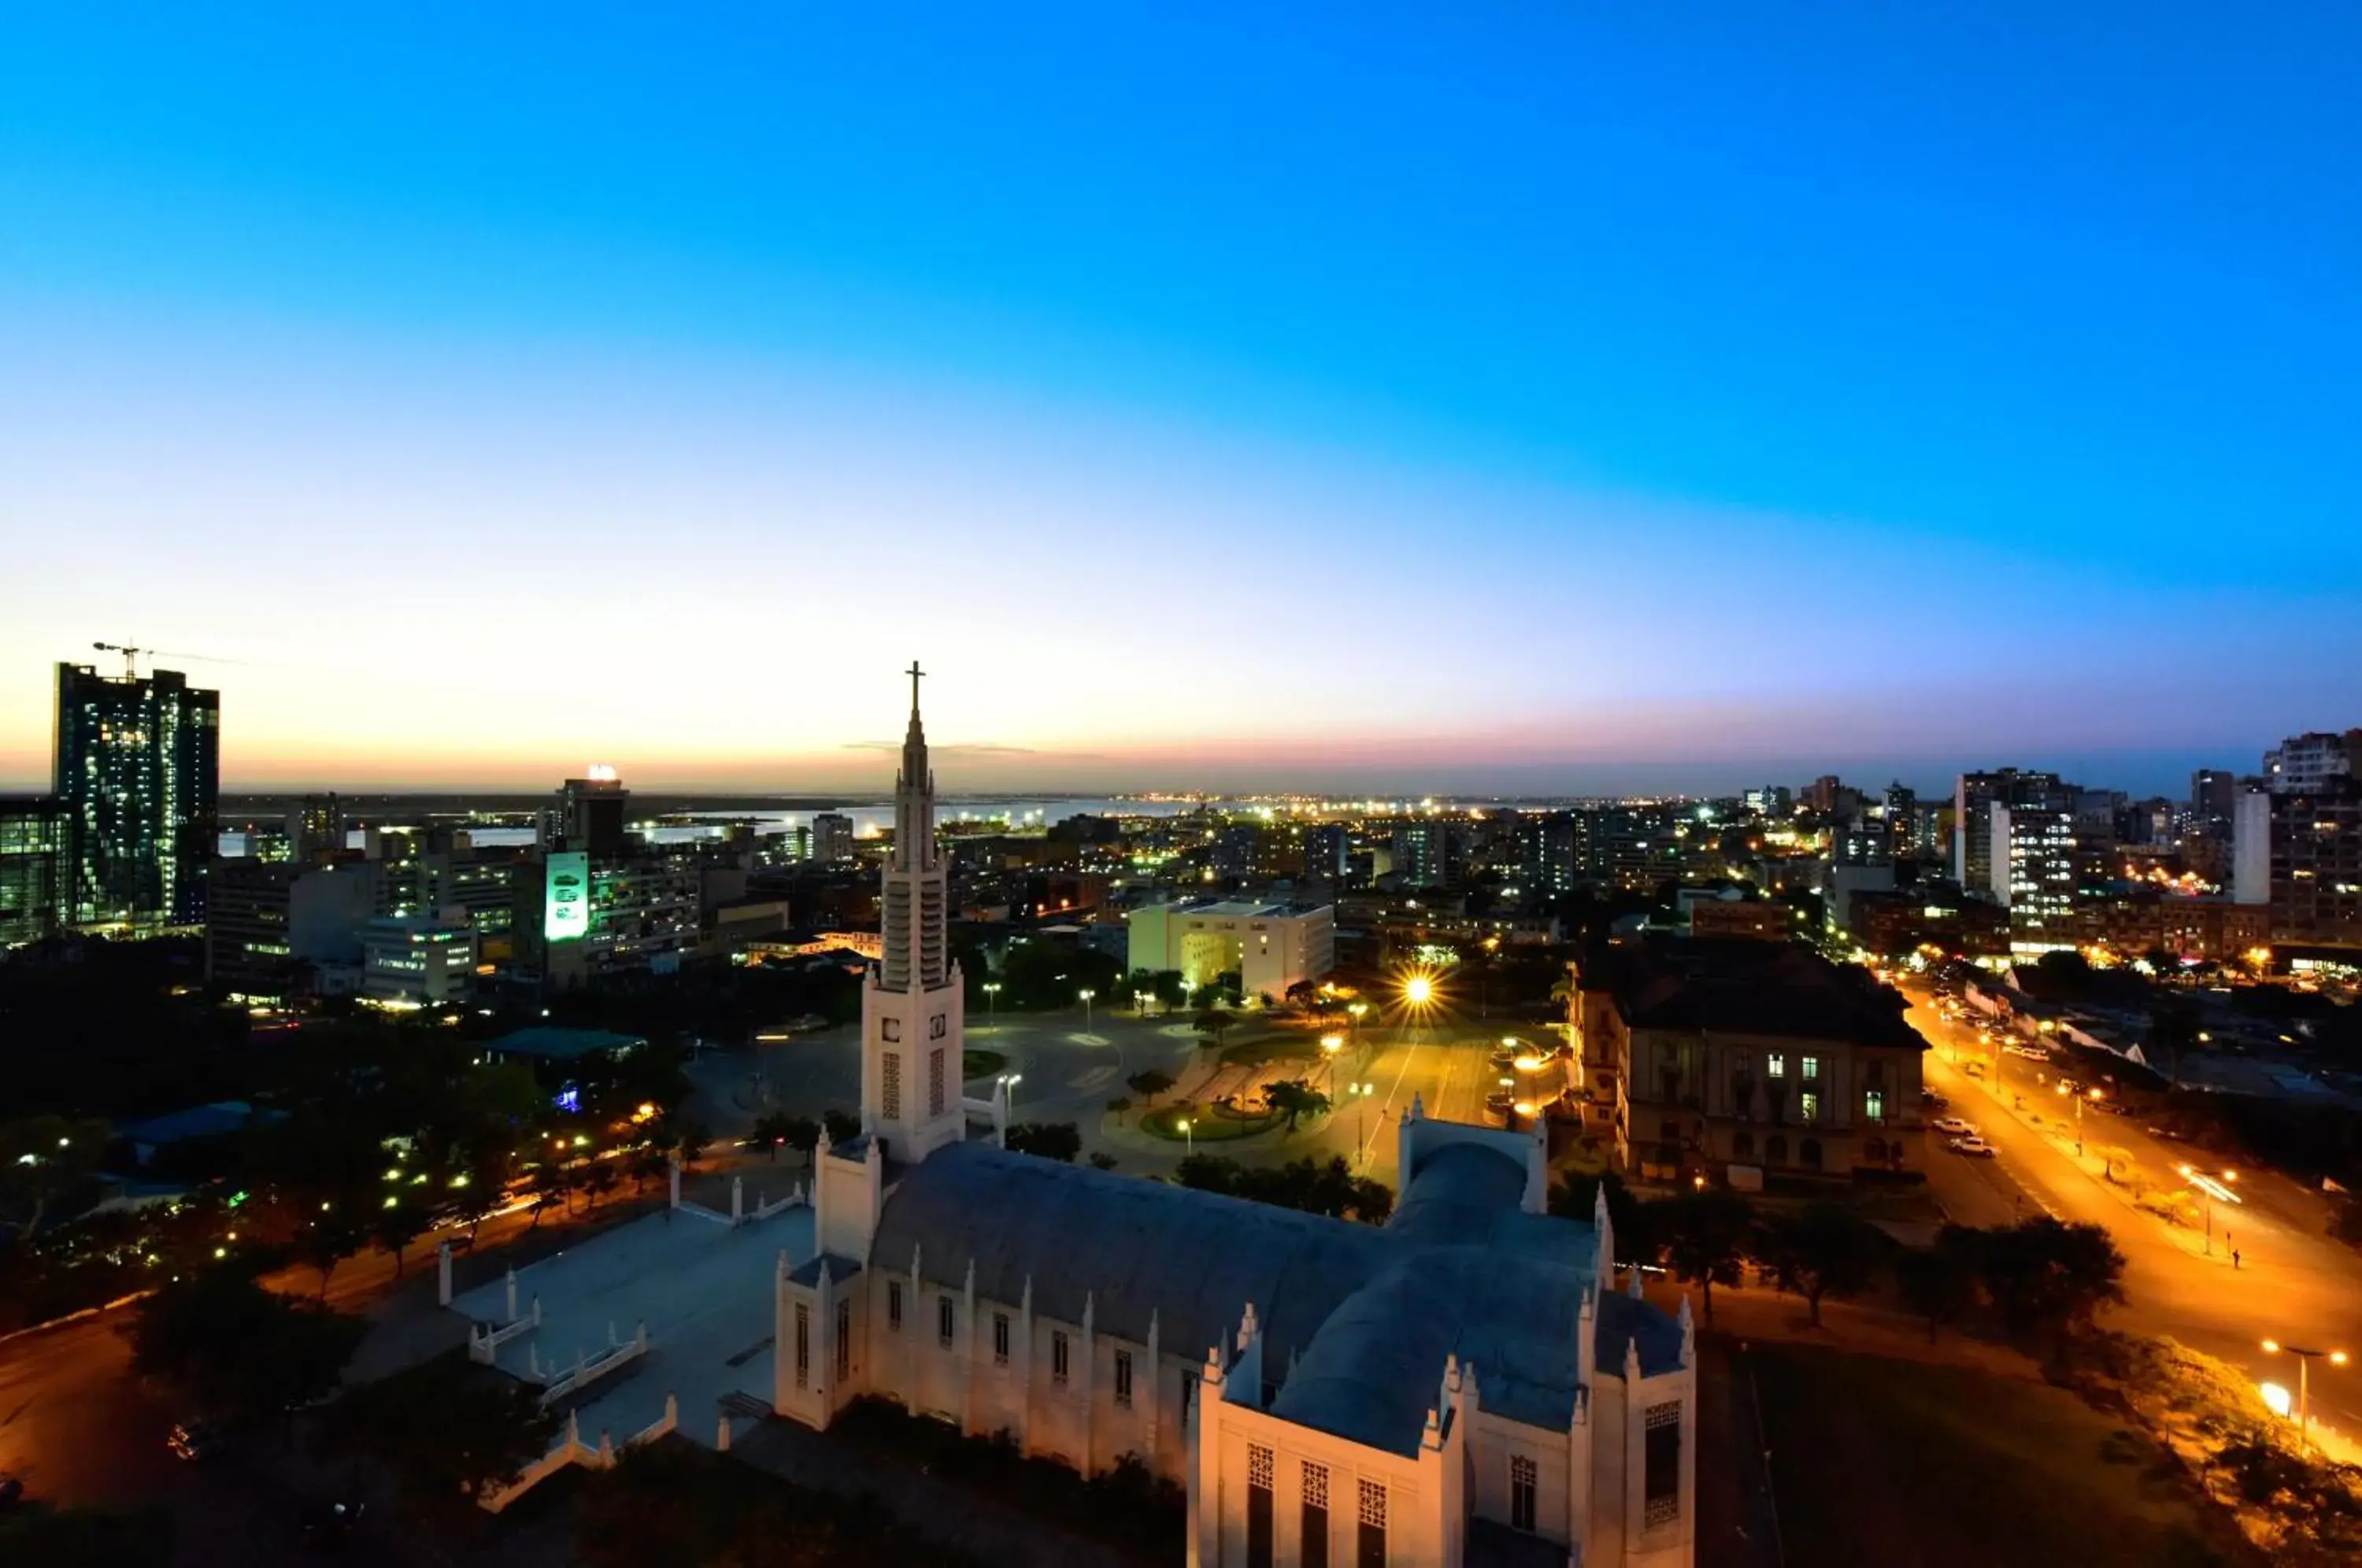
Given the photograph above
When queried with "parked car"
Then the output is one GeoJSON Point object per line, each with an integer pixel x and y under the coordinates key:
{"type": "Point", "coordinates": [1976, 1148]}
{"type": "Point", "coordinates": [1955, 1127]}
{"type": "Point", "coordinates": [1973, 1069]}
{"type": "Point", "coordinates": [194, 1441]}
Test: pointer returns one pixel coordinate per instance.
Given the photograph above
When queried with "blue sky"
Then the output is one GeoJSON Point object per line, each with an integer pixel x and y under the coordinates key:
{"type": "Point", "coordinates": [1441, 397]}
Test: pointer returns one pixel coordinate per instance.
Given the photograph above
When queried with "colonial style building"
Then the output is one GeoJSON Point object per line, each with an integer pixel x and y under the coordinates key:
{"type": "Point", "coordinates": [1703, 1056]}
{"type": "Point", "coordinates": [1461, 1385]}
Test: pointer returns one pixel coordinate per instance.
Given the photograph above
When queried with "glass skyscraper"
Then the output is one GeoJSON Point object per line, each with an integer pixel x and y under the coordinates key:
{"type": "Point", "coordinates": [138, 768]}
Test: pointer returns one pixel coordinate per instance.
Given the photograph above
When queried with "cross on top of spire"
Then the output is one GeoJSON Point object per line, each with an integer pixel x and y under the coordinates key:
{"type": "Point", "coordinates": [914, 672]}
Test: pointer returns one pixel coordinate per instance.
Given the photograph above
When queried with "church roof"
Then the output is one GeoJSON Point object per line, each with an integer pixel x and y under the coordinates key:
{"type": "Point", "coordinates": [1193, 1259]}
{"type": "Point", "coordinates": [1356, 1319]}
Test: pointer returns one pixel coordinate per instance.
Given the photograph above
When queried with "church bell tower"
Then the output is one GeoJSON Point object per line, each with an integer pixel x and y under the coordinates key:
{"type": "Point", "coordinates": [913, 1013]}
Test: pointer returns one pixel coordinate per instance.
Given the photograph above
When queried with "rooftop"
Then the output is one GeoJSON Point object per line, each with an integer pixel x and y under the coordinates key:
{"type": "Point", "coordinates": [1743, 987]}
{"type": "Point", "coordinates": [555, 1044]}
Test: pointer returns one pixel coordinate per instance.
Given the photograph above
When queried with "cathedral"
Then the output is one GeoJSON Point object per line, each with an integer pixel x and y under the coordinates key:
{"type": "Point", "coordinates": [1459, 1386]}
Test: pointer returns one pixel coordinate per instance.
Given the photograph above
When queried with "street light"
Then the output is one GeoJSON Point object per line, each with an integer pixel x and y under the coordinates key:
{"type": "Point", "coordinates": [2304, 1360]}
{"type": "Point", "coordinates": [1359, 1094]}
{"type": "Point", "coordinates": [1189, 1139]}
{"type": "Point", "coordinates": [1330, 1045]}
{"type": "Point", "coordinates": [1087, 994]}
{"type": "Point", "coordinates": [2211, 1191]}
{"type": "Point", "coordinates": [2096, 1094]}
{"type": "Point", "coordinates": [1008, 1082]}
{"type": "Point", "coordinates": [992, 998]}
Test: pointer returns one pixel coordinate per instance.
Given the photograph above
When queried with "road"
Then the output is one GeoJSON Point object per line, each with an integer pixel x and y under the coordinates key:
{"type": "Point", "coordinates": [2292, 1282]}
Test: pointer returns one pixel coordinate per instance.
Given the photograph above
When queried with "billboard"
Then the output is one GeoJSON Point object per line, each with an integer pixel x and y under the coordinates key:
{"type": "Point", "coordinates": [565, 897]}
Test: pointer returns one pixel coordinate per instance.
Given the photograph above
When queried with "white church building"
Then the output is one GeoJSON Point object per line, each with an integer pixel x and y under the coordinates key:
{"type": "Point", "coordinates": [1461, 1385]}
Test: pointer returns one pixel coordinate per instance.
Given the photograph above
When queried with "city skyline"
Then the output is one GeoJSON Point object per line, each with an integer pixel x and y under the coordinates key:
{"type": "Point", "coordinates": [1546, 405]}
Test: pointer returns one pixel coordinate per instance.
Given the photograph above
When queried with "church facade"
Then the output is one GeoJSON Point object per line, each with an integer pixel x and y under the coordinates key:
{"type": "Point", "coordinates": [1461, 1385]}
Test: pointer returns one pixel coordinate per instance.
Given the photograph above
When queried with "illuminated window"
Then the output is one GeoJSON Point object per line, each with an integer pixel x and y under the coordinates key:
{"type": "Point", "coordinates": [1809, 1105]}
{"type": "Point", "coordinates": [1873, 1105]}
{"type": "Point", "coordinates": [1811, 1067]}
{"type": "Point", "coordinates": [1775, 1065]}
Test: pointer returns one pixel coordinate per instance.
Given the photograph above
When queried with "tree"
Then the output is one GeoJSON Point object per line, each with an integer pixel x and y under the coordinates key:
{"type": "Point", "coordinates": [1050, 1140]}
{"type": "Point", "coordinates": [1117, 1107]}
{"type": "Point", "coordinates": [1577, 1197]}
{"type": "Point", "coordinates": [43, 1159]}
{"type": "Point", "coordinates": [240, 1351]}
{"type": "Point", "coordinates": [447, 1430]}
{"type": "Point", "coordinates": [843, 1126]}
{"type": "Point", "coordinates": [770, 1130]}
{"type": "Point", "coordinates": [331, 1238]}
{"type": "Point", "coordinates": [647, 1162]}
{"type": "Point", "coordinates": [1215, 1022]}
{"type": "Point", "coordinates": [688, 1140]}
{"type": "Point", "coordinates": [1149, 1084]}
{"type": "Point", "coordinates": [600, 1180]}
{"type": "Point", "coordinates": [2045, 1275]}
{"type": "Point", "coordinates": [1825, 1249]}
{"type": "Point", "coordinates": [1704, 1233]}
{"type": "Point", "coordinates": [553, 1187]}
{"type": "Point", "coordinates": [1294, 1098]}
{"type": "Point", "coordinates": [801, 1134]}
{"type": "Point", "coordinates": [1940, 1281]}
{"type": "Point", "coordinates": [394, 1227]}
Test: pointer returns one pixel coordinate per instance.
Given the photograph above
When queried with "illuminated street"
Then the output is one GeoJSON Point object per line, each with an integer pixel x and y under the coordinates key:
{"type": "Point", "coordinates": [2293, 1282]}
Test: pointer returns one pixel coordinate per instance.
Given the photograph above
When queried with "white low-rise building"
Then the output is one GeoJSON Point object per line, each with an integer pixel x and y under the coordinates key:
{"type": "Point", "coordinates": [417, 959]}
{"type": "Point", "coordinates": [1270, 947]}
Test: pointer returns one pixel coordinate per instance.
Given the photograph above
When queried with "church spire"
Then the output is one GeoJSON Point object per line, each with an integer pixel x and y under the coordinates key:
{"type": "Point", "coordinates": [915, 792]}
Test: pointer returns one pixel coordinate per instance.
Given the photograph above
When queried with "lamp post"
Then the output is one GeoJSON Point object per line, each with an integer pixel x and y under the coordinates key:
{"type": "Point", "coordinates": [992, 998]}
{"type": "Point", "coordinates": [1360, 1095]}
{"type": "Point", "coordinates": [1008, 1082]}
{"type": "Point", "coordinates": [2304, 1360]}
{"type": "Point", "coordinates": [2207, 1189]}
{"type": "Point", "coordinates": [2096, 1093]}
{"type": "Point", "coordinates": [1189, 1138]}
{"type": "Point", "coordinates": [1087, 995]}
{"type": "Point", "coordinates": [1330, 1045]}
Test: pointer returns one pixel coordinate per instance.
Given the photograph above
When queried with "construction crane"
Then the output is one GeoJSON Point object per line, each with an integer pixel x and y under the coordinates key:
{"type": "Point", "coordinates": [131, 655]}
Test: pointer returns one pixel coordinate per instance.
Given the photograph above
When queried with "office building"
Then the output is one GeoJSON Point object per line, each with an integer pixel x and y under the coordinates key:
{"type": "Point", "coordinates": [590, 815]}
{"type": "Point", "coordinates": [2213, 793]}
{"type": "Point", "coordinates": [138, 767]}
{"type": "Point", "coordinates": [274, 926]}
{"type": "Point", "coordinates": [832, 836]}
{"type": "Point", "coordinates": [36, 866]}
{"type": "Point", "coordinates": [315, 829]}
{"type": "Point", "coordinates": [1268, 946]}
{"type": "Point", "coordinates": [2299, 852]}
{"type": "Point", "coordinates": [1554, 851]}
{"type": "Point", "coordinates": [1424, 854]}
{"type": "Point", "coordinates": [2033, 873]}
{"type": "Point", "coordinates": [2306, 761]}
{"type": "Point", "coordinates": [1328, 852]}
{"type": "Point", "coordinates": [417, 961]}
{"type": "Point", "coordinates": [1972, 803]}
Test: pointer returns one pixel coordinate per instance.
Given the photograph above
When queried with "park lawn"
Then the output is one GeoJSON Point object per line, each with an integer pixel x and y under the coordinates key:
{"type": "Point", "coordinates": [1207, 1124]}
{"type": "Point", "coordinates": [1277, 1048]}
{"type": "Point", "coordinates": [1912, 1465]}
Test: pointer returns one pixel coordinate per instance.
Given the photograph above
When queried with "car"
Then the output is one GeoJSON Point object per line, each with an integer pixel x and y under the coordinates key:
{"type": "Point", "coordinates": [1974, 1147]}
{"type": "Point", "coordinates": [1973, 1069]}
{"type": "Point", "coordinates": [332, 1524]}
{"type": "Point", "coordinates": [1933, 1100]}
{"type": "Point", "coordinates": [196, 1441]}
{"type": "Point", "coordinates": [1955, 1127]}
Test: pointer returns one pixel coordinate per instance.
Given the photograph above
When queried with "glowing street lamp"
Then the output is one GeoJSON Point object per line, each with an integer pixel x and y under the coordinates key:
{"type": "Point", "coordinates": [1419, 990]}
{"type": "Point", "coordinates": [1330, 1045]}
{"type": "Point", "coordinates": [992, 998]}
{"type": "Point", "coordinates": [1087, 995]}
{"type": "Point", "coordinates": [1360, 1095]}
{"type": "Point", "coordinates": [2211, 1191]}
{"type": "Point", "coordinates": [2305, 1357]}
{"type": "Point", "coordinates": [1189, 1138]}
{"type": "Point", "coordinates": [1008, 1082]}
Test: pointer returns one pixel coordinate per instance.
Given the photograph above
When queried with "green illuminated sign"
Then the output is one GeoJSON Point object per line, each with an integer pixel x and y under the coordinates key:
{"type": "Point", "coordinates": [566, 903]}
